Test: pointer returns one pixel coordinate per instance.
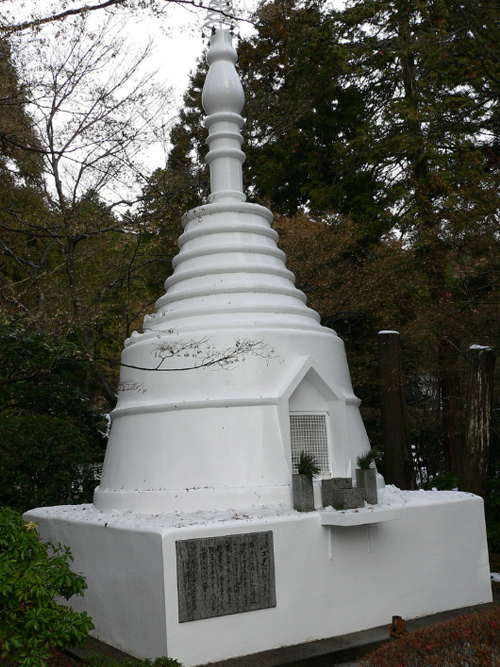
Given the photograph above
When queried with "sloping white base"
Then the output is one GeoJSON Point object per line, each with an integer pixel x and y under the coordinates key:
{"type": "Point", "coordinates": [330, 579]}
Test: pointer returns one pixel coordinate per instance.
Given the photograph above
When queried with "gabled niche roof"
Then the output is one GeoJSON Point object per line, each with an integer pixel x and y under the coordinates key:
{"type": "Point", "coordinates": [308, 367]}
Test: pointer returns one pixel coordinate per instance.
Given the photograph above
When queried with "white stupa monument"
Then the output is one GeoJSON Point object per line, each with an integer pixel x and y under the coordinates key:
{"type": "Point", "coordinates": [192, 548]}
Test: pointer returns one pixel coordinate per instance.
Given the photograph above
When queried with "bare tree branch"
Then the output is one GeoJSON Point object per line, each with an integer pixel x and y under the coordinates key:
{"type": "Point", "coordinates": [205, 354]}
{"type": "Point", "coordinates": [87, 8]}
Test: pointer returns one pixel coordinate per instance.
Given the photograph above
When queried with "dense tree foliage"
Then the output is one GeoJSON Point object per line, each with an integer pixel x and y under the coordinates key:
{"type": "Point", "coordinates": [432, 112]}
{"type": "Point", "coordinates": [47, 416]}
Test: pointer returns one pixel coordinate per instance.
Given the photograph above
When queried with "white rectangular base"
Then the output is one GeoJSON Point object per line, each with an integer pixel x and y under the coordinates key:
{"type": "Point", "coordinates": [329, 582]}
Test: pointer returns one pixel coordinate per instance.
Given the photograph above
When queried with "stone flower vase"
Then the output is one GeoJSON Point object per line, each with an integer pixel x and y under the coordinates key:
{"type": "Point", "coordinates": [366, 479]}
{"type": "Point", "coordinates": [303, 497]}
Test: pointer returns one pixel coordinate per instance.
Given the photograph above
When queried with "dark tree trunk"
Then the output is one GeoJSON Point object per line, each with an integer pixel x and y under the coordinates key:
{"type": "Point", "coordinates": [480, 377]}
{"type": "Point", "coordinates": [398, 464]}
{"type": "Point", "coordinates": [451, 406]}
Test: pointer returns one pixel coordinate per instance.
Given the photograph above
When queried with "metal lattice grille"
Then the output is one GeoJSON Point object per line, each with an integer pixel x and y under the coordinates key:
{"type": "Point", "coordinates": [308, 433]}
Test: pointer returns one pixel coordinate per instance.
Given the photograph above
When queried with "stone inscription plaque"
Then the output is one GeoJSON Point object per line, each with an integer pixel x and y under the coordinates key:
{"type": "Point", "coordinates": [217, 576]}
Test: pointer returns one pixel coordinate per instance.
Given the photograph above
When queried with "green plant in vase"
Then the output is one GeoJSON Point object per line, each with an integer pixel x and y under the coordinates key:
{"type": "Point", "coordinates": [365, 461]}
{"type": "Point", "coordinates": [366, 475]}
{"type": "Point", "coordinates": [302, 482]}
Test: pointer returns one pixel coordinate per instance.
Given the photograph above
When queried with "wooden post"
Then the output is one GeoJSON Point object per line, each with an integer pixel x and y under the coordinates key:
{"type": "Point", "coordinates": [398, 464]}
{"type": "Point", "coordinates": [452, 406]}
{"type": "Point", "coordinates": [480, 377]}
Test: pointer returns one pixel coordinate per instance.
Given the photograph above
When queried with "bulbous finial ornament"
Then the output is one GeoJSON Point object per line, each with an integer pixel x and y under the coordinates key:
{"type": "Point", "coordinates": [222, 90]}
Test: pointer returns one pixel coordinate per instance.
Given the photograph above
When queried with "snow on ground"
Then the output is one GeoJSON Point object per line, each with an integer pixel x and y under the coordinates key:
{"type": "Point", "coordinates": [129, 519]}
{"type": "Point", "coordinates": [390, 496]}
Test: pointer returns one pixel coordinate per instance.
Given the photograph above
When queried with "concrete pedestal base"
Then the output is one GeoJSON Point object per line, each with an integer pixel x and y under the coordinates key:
{"type": "Point", "coordinates": [367, 480]}
{"type": "Point", "coordinates": [329, 579]}
{"type": "Point", "coordinates": [303, 494]}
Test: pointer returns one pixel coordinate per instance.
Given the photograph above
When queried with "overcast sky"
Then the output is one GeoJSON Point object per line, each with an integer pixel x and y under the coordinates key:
{"type": "Point", "coordinates": [178, 45]}
{"type": "Point", "coordinates": [179, 41]}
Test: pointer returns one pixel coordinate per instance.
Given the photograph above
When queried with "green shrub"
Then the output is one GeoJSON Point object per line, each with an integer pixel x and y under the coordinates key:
{"type": "Point", "coordinates": [472, 640]}
{"type": "Point", "coordinates": [51, 433]}
{"type": "Point", "coordinates": [442, 481]}
{"type": "Point", "coordinates": [45, 461]}
{"type": "Point", "coordinates": [32, 574]}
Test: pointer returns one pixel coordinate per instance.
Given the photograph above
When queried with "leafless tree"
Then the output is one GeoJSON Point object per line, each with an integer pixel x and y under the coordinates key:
{"type": "Point", "coordinates": [95, 108]}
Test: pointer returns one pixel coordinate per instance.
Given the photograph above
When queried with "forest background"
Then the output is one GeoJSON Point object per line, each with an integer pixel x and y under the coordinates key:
{"type": "Point", "coordinates": [372, 133]}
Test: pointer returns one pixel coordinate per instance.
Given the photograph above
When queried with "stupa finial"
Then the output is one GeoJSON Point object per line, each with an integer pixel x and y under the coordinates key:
{"type": "Point", "coordinates": [223, 100]}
